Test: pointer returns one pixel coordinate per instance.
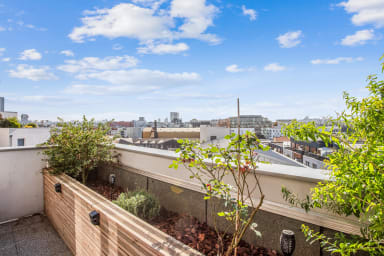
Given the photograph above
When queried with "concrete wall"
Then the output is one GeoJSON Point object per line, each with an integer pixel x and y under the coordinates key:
{"type": "Point", "coordinates": [146, 168]}
{"type": "Point", "coordinates": [21, 182]}
{"type": "Point", "coordinates": [133, 132]}
{"type": "Point", "coordinates": [311, 161]}
{"type": "Point", "coordinates": [4, 137]}
{"type": "Point", "coordinates": [31, 136]}
{"type": "Point", "coordinates": [206, 132]}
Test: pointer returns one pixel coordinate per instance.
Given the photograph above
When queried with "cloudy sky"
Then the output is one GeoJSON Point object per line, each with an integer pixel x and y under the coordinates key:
{"type": "Point", "coordinates": [124, 59]}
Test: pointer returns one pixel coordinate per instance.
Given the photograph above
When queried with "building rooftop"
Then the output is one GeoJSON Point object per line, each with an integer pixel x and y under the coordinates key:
{"type": "Point", "coordinates": [32, 235]}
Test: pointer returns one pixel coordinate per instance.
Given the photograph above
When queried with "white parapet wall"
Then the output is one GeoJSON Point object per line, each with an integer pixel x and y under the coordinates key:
{"type": "Point", "coordinates": [21, 182]}
{"type": "Point", "coordinates": [154, 163]}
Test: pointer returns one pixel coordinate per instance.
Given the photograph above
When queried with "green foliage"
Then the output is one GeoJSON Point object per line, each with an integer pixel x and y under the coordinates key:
{"type": "Point", "coordinates": [32, 125]}
{"type": "Point", "coordinates": [11, 122]}
{"type": "Point", "coordinates": [356, 185]}
{"type": "Point", "coordinates": [77, 148]}
{"type": "Point", "coordinates": [212, 165]}
{"type": "Point", "coordinates": [139, 203]}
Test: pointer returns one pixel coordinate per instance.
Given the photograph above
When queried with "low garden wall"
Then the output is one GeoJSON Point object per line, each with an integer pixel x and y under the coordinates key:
{"type": "Point", "coordinates": [119, 232]}
{"type": "Point", "coordinates": [21, 182]}
{"type": "Point", "coordinates": [146, 168]}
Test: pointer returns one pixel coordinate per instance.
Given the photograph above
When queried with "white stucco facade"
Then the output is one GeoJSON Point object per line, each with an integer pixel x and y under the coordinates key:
{"type": "Point", "coordinates": [14, 137]}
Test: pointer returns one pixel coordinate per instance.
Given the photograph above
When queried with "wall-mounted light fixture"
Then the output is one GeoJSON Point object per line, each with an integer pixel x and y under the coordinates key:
{"type": "Point", "coordinates": [112, 179]}
{"type": "Point", "coordinates": [95, 217]}
{"type": "Point", "coordinates": [287, 242]}
{"type": "Point", "coordinates": [58, 188]}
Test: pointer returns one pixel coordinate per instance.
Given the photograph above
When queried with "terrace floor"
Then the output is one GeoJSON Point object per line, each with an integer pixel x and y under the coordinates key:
{"type": "Point", "coordinates": [31, 236]}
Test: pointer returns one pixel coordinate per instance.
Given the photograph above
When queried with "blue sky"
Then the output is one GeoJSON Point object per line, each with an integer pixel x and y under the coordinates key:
{"type": "Point", "coordinates": [124, 59]}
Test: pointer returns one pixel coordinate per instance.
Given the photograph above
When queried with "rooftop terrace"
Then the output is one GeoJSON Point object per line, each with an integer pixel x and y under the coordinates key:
{"type": "Point", "coordinates": [22, 194]}
{"type": "Point", "coordinates": [33, 235]}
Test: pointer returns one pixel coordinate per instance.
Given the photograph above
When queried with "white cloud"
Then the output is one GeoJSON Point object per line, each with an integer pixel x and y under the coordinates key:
{"type": "Point", "coordinates": [5, 59]}
{"type": "Point", "coordinates": [2, 50]}
{"type": "Point", "coordinates": [197, 18]}
{"type": "Point", "coordinates": [359, 38]}
{"type": "Point", "coordinates": [30, 54]}
{"type": "Point", "coordinates": [117, 47]}
{"type": "Point", "coordinates": [290, 39]}
{"type": "Point", "coordinates": [2, 29]}
{"type": "Point", "coordinates": [163, 48]}
{"type": "Point", "coordinates": [365, 12]}
{"type": "Point", "coordinates": [142, 76]}
{"type": "Point", "coordinates": [337, 60]}
{"type": "Point", "coordinates": [249, 12]}
{"type": "Point", "coordinates": [67, 53]}
{"type": "Point", "coordinates": [32, 73]}
{"type": "Point", "coordinates": [89, 64]}
{"type": "Point", "coordinates": [133, 81]}
{"type": "Point", "coordinates": [146, 24]}
{"type": "Point", "coordinates": [43, 98]}
{"type": "Point", "coordinates": [274, 67]}
{"type": "Point", "coordinates": [234, 69]}
{"type": "Point", "coordinates": [123, 20]}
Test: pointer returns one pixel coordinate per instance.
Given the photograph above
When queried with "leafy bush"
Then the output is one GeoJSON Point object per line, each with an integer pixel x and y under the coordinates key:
{"type": "Point", "coordinates": [30, 125]}
{"type": "Point", "coordinates": [11, 122]}
{"type": "Point", "coordinates": [356, 184]}
{"type": "Point", "coordinates": [212, 167]}
{"type": "Point", "coordinates": [77, 148]}
{"type": "Point", "coordinates": [139, 203]}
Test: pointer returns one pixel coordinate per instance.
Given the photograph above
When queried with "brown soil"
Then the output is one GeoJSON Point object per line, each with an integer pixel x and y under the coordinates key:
{"type": "Point", "coordinates": [185, 228]}
{"type": "Point", "coordinates": [105, 189]}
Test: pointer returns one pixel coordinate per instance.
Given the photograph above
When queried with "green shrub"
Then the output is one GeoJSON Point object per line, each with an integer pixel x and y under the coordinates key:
{"type": "Point", "coordinates": [77, 148]}
{"type": "Point", "coordinates": [139, 203]}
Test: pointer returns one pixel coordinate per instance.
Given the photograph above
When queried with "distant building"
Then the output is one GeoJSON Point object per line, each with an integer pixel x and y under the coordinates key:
{"type": "Point", "coordinates": [131, 132]}
{"type": "Point", "coordinates": [118, 124]}
{"type": "Point", "coordinates": [165, 144]}
{"type": "Point", "coordinates": [19, 137]}
{"type": "Point", "coordinates": [175, 118]}
{"type": "Point", "coordinates": [8, 114]}
{"type": "Point", "coordinates": [2, 101]}
{"type": "Point", "coordinates": [197, 123]}
{"type": "Point", "coordinates": [283, 121]}
{"type": "Point", "coordinates": [242, 130]}
{"type": "Point", "coordinates": [271, 132]}
{"type": "Point", "coordinates": [221, 122]}
{"type": "Point", "coordinates": [209, 134]}
{"type": "Point", "coordinates": [250, 121]}
{"type": "Point", "coordinates": [140, 123]}
{"type": "Point", "coordinates": [24, 119]}
{"type": "Point", "coordinates": [317, 121]}
{"type": "Point", "coordinates": [166, 133]}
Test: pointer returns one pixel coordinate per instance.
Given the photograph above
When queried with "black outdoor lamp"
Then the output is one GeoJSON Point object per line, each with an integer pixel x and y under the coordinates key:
{"type": "Point", "coordinates": [95, 217]}
{"type": "Point", "coordinates": [287, 242]}
{"type": "Point", "coordinates": [58, 188]}
{"type": "Point", "coordinates": [112, 181]}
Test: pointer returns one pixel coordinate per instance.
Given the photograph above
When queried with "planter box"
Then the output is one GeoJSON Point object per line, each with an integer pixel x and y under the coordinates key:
{"type": "Point", "coordinates": [119, 232]}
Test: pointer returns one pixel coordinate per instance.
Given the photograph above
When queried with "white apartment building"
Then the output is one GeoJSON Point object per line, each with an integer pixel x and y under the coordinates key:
{"type": "Point", "coordinates": [8, 114]}
{"type": "Point", "coordinates": [271, 132]}
{"type": "Point", "coordinates": [19, 137]}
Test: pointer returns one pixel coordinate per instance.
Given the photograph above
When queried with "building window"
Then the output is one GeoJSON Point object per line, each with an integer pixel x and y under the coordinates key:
{"type": "Point", "coordinates": [20, 142]}
{"type": "Point", "coordinates": [314, 166]}
{"type": "Point", "coordinates": [213, 137]}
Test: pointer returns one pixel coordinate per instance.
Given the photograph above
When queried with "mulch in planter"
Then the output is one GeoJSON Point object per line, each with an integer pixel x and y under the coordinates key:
{"type": "Point", "coordinates": [200, 236]}
{"type": "Point", "coordinates": [105, 189]}
{"type": "Point", "coordinates": [185, 228]}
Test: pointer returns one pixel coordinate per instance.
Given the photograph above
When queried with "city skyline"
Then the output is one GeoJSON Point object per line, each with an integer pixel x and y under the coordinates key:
{"type": "Point", "coordinates": [125, 59]}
